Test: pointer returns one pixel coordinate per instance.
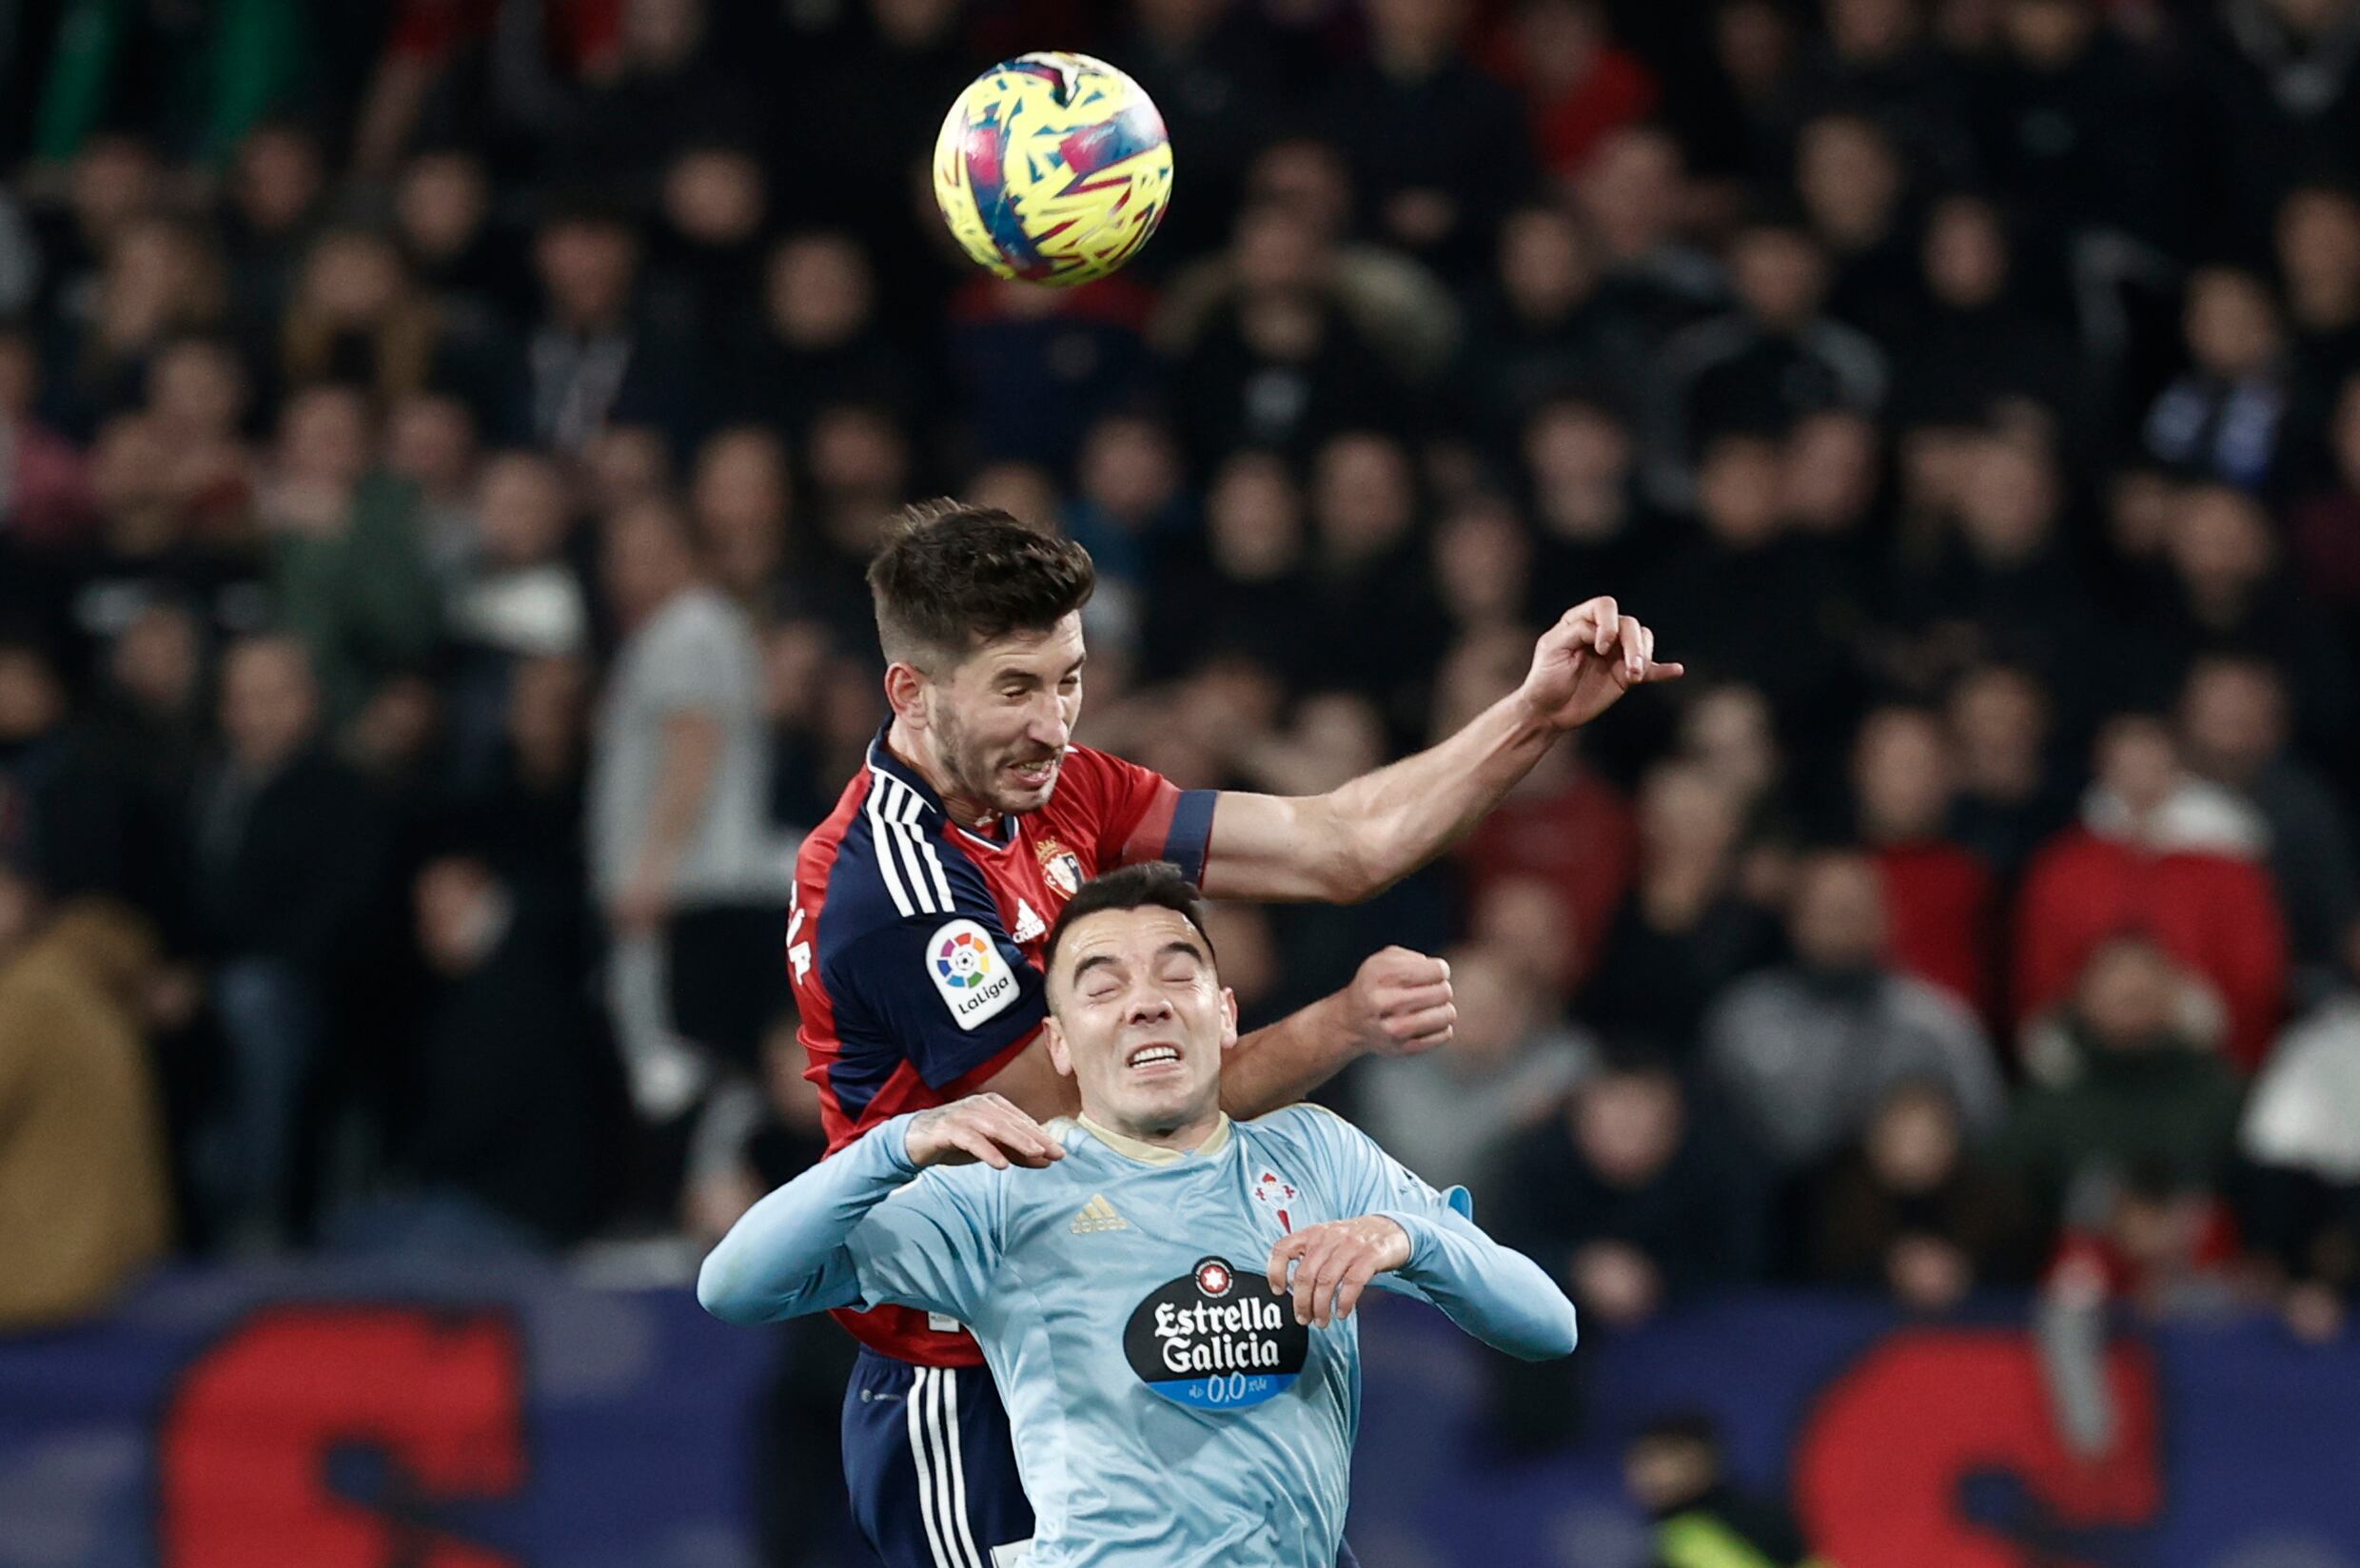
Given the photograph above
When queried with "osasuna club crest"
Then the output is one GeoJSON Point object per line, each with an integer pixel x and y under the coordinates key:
{"type": "Point", "coordinates": [1208, 1342]}
{"type": "Point", "coordinates": [1060, 868]}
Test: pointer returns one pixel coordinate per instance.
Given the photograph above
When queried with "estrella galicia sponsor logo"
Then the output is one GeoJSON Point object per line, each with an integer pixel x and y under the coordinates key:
{"type": "Point", "coordinates": [1204, 1341]}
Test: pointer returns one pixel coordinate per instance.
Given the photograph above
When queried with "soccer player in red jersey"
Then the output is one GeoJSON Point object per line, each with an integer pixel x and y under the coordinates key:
{"type": "Point", "coordinates": [920, 905]}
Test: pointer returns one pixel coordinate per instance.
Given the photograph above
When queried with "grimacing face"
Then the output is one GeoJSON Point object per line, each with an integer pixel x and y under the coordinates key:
{"type": "Point", "coordinates": [1003, 716]}
{"type": "Point", "coordinates": [1139, 1019]}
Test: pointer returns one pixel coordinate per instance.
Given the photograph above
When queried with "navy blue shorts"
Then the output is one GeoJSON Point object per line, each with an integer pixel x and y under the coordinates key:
{"type": "Point", "coordinates": [931, 1469]}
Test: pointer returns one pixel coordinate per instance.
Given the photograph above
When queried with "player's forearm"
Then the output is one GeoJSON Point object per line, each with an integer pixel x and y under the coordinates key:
{"type": "Point", "coordinates": [1398, 818]}
{"type": "Point", "coordinates": [1283, 1063]}
{"type": "Point", "coordinates": [788, 1256]}
{"type": "Point", "coordinates": [692, 755]}
{"type": "Point", "coordinates": [1493, 1292]}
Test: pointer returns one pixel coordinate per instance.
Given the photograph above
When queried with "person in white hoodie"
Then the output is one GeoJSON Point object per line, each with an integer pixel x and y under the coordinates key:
{"type": "Point", "coordinates": [2301, 1134]}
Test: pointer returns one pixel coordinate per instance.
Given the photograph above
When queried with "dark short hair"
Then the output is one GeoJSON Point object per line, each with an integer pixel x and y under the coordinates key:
{"type": "Point", "coordinates": [953, 577]}
{"type": "Point", "coordinates": [1153, 884]}
{"type": "Point", "coordinates": [1688, 1428]}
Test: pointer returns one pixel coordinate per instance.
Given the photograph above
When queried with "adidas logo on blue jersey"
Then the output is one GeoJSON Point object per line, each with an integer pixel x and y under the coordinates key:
{"type": "Point", "coordinates": [1098, 1215]}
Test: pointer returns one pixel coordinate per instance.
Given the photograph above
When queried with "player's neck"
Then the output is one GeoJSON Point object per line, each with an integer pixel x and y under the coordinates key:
{"type": "Point", "coordinates": [1183, 1139]}
{"type": "Point", "coordinates": [975, 816]}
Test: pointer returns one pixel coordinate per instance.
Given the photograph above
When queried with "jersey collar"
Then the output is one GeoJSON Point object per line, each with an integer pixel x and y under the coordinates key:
{"type": "Point", "coordinates": [1155, 1154]}
{"type": "Point", "coordinates": [885, 760]}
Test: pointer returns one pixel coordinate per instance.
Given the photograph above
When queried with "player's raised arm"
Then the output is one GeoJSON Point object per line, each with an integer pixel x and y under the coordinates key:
{"type": "Point", "coordinates": [1411, 1238]}
{"type": "Point", "coordinates": [857, 1228]}
{"type": "Point", "coordinates": [1361, 838]}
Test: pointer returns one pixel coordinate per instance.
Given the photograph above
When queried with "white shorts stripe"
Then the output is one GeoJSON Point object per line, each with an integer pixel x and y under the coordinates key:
{"type": "Point", "coordinates": [927, 1507]}
{"type": "Point", "coordinates": [948, 1508]}
{"type": "Point", "coordinates": [958, 1469]}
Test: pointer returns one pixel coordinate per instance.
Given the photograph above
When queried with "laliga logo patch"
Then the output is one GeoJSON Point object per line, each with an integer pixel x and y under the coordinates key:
{"type": "Point", "coordinates": [964, 960]}
{"type": "Point", "coordinates": [975, 982]}
{"type": "Point", "coordinates": [1201, 1342]}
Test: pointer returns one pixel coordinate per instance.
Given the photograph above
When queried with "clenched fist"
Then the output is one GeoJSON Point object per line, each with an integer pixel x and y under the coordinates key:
{"type": "Point", "coordinates": [1401, 1002]}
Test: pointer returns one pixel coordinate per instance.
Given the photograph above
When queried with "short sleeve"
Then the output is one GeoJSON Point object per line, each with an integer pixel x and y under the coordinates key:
{"type": "Point", "coordinates": [1142, 816]}
{"type": "Point", "coordinates": [949, 993]}
{"type": "Point", "coordinates": [694, 661]}
{"type": "Point", "coordinates": [934, 1246]}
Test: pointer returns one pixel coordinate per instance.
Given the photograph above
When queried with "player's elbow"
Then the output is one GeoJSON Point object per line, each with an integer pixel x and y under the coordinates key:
{"type": "Point", "coordinates": [1564, 1332]}
{"type": "Point", "coordinates": [720, 1290]}
{"type": "Point", "coordinates": [1552, 1334]}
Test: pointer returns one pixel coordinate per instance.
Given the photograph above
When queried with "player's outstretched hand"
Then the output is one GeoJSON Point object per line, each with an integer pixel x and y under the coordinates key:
{"type": "Point", "coordinates": [1401, 1002]}
{"type": "Point", "coordinates": [1333, 1264]}
{"type": "Point", "coordinates": [1588, 660]}
{"type": "Point", "coordinates": [982, 1126]}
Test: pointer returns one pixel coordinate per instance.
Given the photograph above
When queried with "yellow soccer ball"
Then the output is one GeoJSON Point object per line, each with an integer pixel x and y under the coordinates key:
{"type": "Point", "coordinates": [1053, 169]}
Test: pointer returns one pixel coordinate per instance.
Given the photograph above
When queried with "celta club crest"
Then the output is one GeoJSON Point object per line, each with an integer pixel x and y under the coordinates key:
{"type": "Point", "coordinates": [1271, 1189]}
{"type": "Point", "coordinates": [1060, 868]}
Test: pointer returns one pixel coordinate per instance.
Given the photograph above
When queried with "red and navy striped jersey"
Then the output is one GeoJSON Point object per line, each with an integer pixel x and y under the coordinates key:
{"type": "Point", "coordinates": [915, 947]}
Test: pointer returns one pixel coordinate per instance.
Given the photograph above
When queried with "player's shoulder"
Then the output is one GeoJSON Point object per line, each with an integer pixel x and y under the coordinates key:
{"type": "Point", "coordinates": [867, 870]}
{"type": "Point", "coordinates": [1311, 1127]}
{"type": "Point", "coordinates": [1090, 775]}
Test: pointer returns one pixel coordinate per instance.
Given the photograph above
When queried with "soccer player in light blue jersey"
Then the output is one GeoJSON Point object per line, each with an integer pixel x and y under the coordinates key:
{"type": "Point", "coordinates": [1165, 1297]}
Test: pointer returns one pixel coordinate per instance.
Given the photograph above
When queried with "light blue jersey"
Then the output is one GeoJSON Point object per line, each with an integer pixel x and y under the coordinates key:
{"type": "Point", "coordinates": [1168, 1410]}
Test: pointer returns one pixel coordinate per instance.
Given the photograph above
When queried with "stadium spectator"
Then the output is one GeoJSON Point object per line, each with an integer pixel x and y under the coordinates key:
{"type": "Point", "coordinates": [2318, 247]}
{"type": "Point", "coordinates": [1635, 194]}
{"type": "Point", "coordinates": [590, 358]}
{"type": "Point", "coordinates": [1568, 827]}
{"type": "Point", "coordinates": [115, 819]}
{"type": "Point", "coordinates": [2324, 524]}
{"type": "Point", "coordinates": [1687, 931]}
{"type": "Point", "coordinates": [818, 336]}
{"type": "Point", "coordinates": [46, 500]}
{"type": "Point", "coordinates": [1675, 1470]}
{"type": "Point", "coordinates": [288, 853]}
{"type": "Point", "coordinates": [1909, 1211]}
{"type": "Point", "coordinates": [1974, 345]}
{"type": "Point", "coordinates": [1774, 359]}
{"type": "Point", "coordinates": [2301, 1134]}
{"type": "Point", "coordinates": [161, 277]}
{"type": "Point", "coordinates": [2236, 730]}
{"type": "Point", "coordinates": [1629, 1196]}
{"type": "Point", "coordinates": [82, 1151]}
{"type": "Point", "coordinates": [1451, 1116]}
{"type": "Point", "coordinates": [348, 569]}
{"type": "Point", "coordinates": [1578, 86]}
{"type": "Point", "coordinates": [2138, 1090]}
{"type": "Point", "coordinates": [2221, 419]}
{"type": "Point", "coordinates": [680, 850]}
{"type": "Point", "coordinates": [1805, 1050]}
{"type": "Point", "coordinates": [353, 316]}
{"type": "Point", "coordinates": [2009, 797]}
{"type": "Point", "coordinates": [1941, 899]}
{"type": "Point", "coordinates": [1579, 465]}
{"type": "Point", "coordinates": [1543, 329]}
{"type": "Point", "coordinates": [503, 1147]}
{"type": "Point", "coordinates": [2160, 852]}
{"type": "Point", "coordinates": [742, 504]}
{"type": "Point", "coordinates": [1433, 142]}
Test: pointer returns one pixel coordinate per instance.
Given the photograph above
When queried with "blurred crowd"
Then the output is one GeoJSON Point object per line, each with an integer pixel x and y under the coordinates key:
{"type": "Point", "coordinates": [440, 441]}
